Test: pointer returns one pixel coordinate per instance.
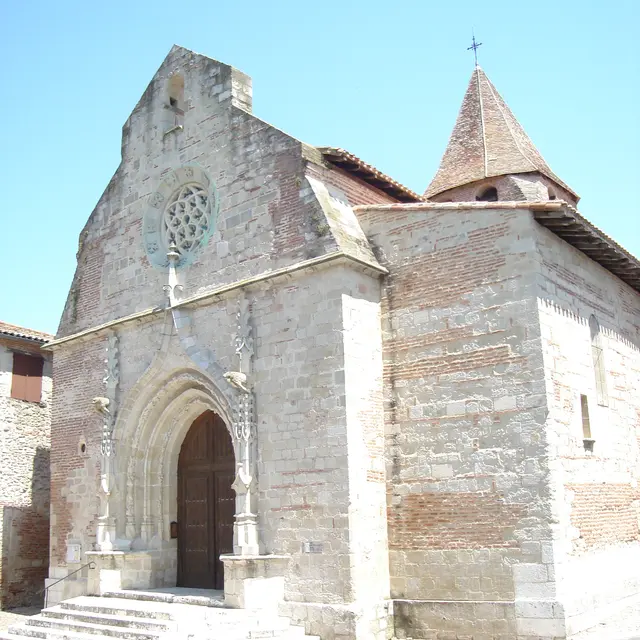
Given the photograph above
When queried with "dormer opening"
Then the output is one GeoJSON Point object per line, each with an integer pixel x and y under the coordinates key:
{"type": "Point", "coordinates": [488, 194]}
{"type": "Point", "coordinates": [552, 194]}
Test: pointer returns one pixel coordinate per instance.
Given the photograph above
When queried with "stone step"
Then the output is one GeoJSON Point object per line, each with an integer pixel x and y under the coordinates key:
{"type": "Point", "coordinates": [139, 621]}
{"type": "Point", "coordinates": [51, 635]}
{"type": "Point", "coordinates": [209, 634]}
{"type": "Point", "coordinates": [45, 624]}
{"type": "Point", "coordinates": [135, 615]}
{"type": "Point", "coordinates": [115, 607]}
{"type": "Point", "coordinates": [48, 634]}
{"type": "Point", "coordinates": [216, 600]}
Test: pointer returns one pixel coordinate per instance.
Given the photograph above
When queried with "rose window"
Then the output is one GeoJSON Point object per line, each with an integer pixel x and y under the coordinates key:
{"type": "Point", "coordinates": [187, 218]}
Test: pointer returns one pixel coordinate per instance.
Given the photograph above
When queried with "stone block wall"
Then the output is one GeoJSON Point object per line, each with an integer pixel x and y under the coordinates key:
{"type": "Point", "coordinates": [596, 505]}
{"type": "Point", "coordinates": [24, 484]}
{"type": "Point", "coordinates": [465, 408]}
{"type": "Point", "coordinates": [268, 217]}
{"type": "Point", "coordinates": [315, 335]}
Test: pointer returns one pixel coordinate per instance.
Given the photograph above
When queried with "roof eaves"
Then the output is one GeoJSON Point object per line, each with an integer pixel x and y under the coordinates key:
{"type": "Point", "coordinates": [351, 163]}
{"type": "Point", "coordinates": [15, 332]}
{"type": "Point", "coordinates": [560, 218]}
{"type": "Point", "coordinates": [575, 229]}
{"type": "Point", "coordinates": [21, 336]}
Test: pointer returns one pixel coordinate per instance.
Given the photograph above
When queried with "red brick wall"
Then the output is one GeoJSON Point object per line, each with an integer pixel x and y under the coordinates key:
{"type": "Point", "coordinates": [285, 209]}
{"type": "Point", "coordinates": [457, 520]}
{"type": "Point", "coordinates": [83, 301]}
{"type": "Point", "coordinates": [605, 513]}
{"type": "Point", "coordinates": [78, 371]}
{"type": "Point", "coordinates": [24, 563]}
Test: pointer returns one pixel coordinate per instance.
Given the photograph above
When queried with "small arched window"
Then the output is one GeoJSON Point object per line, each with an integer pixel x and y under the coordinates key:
{"type": "Point", "coordinates": [490, 194]}
{"type": "Point", "coordinates": [552, 194]}
{"type": "Point", "coordinates": [597, 353]}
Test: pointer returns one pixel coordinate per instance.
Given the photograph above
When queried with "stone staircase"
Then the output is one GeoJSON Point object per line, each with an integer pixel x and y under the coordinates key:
{"type": "Point", "coordinates": [153, 615]}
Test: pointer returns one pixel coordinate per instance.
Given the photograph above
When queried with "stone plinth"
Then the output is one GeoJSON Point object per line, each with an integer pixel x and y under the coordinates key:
{"type": "Point", "coordinates": [254, 582]}
{"type": "Point", "coordinates": [116, 570]}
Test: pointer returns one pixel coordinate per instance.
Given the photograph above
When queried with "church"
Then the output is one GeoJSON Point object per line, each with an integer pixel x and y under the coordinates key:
{"type": "Point", "coordinates": [282, 375]}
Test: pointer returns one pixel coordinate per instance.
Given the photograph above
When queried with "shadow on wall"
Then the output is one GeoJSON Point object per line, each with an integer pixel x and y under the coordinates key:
{"type": "Point", "coordinates": [24, 563]}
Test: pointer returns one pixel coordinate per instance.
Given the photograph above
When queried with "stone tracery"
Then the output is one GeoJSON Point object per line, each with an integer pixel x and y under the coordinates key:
{"type": "Point", "coordinates": [186, 218]}
{"type": "Point", "coordinates": [182, 213]}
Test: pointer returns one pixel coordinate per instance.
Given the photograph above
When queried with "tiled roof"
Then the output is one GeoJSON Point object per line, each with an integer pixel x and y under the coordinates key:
{"type": "Point", "coordinates": [26, 334]}
{"type": "Point", "coordinates": [487, 141]}
{"type": "Point", "coordinates": [369, 174]}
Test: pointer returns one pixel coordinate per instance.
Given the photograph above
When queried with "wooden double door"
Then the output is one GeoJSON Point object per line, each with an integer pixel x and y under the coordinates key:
{"type": "Point", "coordinates": [206, 503]}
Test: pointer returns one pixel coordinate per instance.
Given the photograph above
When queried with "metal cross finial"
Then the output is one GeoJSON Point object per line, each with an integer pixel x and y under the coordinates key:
{"type": "Point", "coordinates": [474, 46]}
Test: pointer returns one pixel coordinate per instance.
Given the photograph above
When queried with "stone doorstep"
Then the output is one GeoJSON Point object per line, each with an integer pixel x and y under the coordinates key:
{"type": "Point", "coordinates": [216, 599]}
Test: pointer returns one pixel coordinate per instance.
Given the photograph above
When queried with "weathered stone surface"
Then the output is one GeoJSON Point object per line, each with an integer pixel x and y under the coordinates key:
{"type": "Point", "coordinates": [24, 480]}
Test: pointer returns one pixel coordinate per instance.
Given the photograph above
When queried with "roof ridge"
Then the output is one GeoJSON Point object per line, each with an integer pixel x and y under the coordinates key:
{"type": "Point", "coordinates": [482, 124]}
{"type": "Point", "coordinates": [506, 121]}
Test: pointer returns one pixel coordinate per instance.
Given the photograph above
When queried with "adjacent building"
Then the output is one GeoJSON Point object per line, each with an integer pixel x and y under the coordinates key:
{"type": "Point", "coordinates": [25, 426]}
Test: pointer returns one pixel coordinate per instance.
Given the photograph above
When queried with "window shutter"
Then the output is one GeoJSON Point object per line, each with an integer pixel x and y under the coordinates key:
{"type": "Point", "coordinates": [26, 382]}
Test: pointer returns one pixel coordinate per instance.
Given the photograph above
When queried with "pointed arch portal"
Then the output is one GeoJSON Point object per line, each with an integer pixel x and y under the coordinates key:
{"type": "Point", "coordinates": [206, 502]}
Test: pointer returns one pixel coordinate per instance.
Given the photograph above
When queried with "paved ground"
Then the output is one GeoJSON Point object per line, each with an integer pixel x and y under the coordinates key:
{"type": "Point", "coordinates": [16, 615]}
{"type": "Point", "coordinates": [624, 626]}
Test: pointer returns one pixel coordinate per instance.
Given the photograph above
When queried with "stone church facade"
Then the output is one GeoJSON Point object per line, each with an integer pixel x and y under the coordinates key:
{"type": "Point", "coordinates": [283, 374]}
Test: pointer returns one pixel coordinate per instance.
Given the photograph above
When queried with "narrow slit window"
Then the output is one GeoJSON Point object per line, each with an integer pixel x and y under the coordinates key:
{"type": "Point", "coordinates": [586, 424]}
{"type": "Point", "coordinates": [597, 354]}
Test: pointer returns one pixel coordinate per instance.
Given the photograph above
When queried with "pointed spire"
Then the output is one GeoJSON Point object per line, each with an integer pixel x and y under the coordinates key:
{"type": "Point", "coordinates": [486, 141]}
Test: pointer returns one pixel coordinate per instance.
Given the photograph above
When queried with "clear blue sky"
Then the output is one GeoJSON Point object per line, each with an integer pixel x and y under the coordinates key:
{"type": "Point", "coordinates": [381, 79]}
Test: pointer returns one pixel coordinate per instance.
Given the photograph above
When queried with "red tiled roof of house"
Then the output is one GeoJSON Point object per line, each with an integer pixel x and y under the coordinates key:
{"type": "Point", "coordinates": [14, 331]}
{"type": "Point", "coordinates": [351, 163]}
